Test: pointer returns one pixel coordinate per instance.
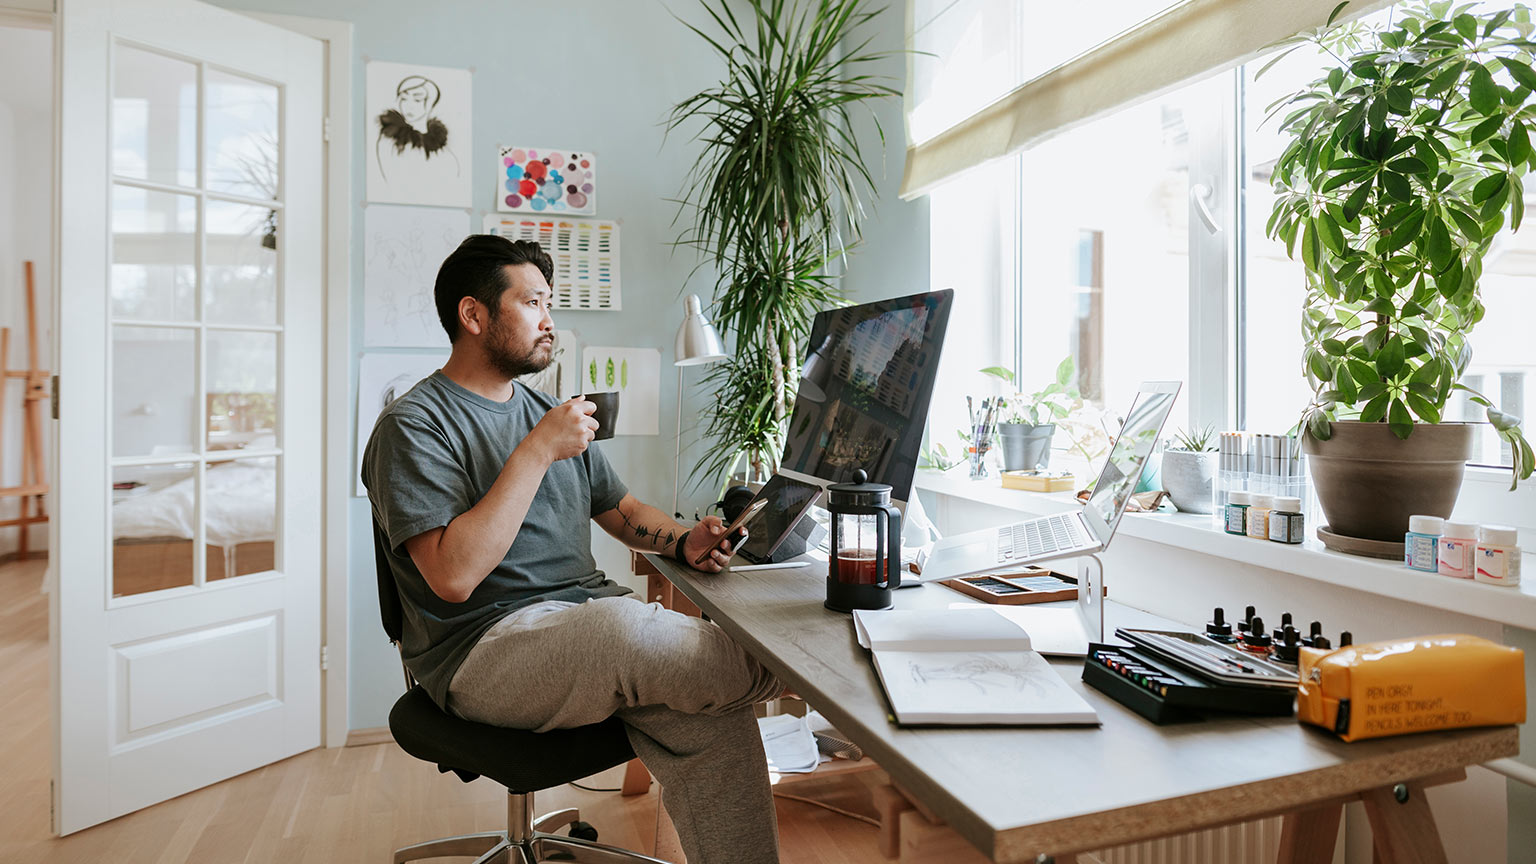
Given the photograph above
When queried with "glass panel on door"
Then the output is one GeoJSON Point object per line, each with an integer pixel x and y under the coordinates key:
{"type": "Point", "coordinates": [154, 391]}
{"type": "Point", "coordinates": [241, 264]}
{"type": "Point", "coordinates": [153, 520]}
{"type": "Point", "coordinates": [190, 388]}
{"type": "Point", "coordinates": [154, 255]}
{"type": "Point", "coordinates": [154, 117]}
{"type": "Point", "coordinates": [241, 135]}
{"type": "Point", "coordinates": [242, 390]}
{"type": "Point", "coordinates": [241, 516]}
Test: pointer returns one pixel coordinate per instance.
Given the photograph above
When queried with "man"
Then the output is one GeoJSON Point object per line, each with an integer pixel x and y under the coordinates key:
{"type": "Point", "coordinates": [484, 488]}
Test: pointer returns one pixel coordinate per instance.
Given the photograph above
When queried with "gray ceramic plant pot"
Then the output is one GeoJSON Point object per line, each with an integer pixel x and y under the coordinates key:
{"type": "Point", "coordinates": [1187, 479]}
{"type": "Point", "coordinates": [1369, 481]}
{"type": "Point", "coordinates": [1025, 447]}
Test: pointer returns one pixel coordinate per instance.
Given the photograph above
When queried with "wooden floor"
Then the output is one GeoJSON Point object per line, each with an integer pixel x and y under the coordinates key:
{"type": "Point", "coordinates": [354, 804]}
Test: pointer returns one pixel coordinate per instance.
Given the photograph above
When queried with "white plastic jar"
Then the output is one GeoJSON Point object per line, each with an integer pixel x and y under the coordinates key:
{"type": "Point", "coordinates": [1498, 555]}
{"type": "Point", "coordinates": [1458, 549]}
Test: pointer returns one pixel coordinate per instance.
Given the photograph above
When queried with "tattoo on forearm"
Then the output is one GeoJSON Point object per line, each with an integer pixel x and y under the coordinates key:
{"type": "Point", "coordinates": [657, 539]}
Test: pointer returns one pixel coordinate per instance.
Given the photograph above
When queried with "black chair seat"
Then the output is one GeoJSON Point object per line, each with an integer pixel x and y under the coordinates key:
{"type": "Point", "coordinates": [520, 760]}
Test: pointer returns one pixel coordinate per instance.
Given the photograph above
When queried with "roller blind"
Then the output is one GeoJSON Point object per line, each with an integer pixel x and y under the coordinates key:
{"type": "Point", "coordinates": [986, 78]}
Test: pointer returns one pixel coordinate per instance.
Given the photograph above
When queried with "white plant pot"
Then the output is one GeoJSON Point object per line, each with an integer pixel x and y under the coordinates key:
{"type": "Point", "coordinates": [1187, 478]}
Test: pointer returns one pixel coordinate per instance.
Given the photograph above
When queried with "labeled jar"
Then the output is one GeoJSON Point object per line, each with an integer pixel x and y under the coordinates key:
{"type": "Point", "coordinates": [1421, 545]}
{"type": "Point", "coordinates": [1237, 511]}
{"type": "Point", "coordinates": [1498, 555]}
{"type": "Point", "coordinates": [1258, 516]}
{"type": "Point", "coordinates": [1286, 524]}
{"type": "Point", "coordinates": [1457, 549]}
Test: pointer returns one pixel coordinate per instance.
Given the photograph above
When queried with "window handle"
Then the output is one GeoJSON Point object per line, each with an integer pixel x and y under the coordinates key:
{"type": "Point", "coordinates": [1200, 196]}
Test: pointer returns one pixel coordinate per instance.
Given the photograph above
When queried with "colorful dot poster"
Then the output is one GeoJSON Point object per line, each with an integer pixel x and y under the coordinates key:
{"type": "Point", "coordinates": [546, 180]}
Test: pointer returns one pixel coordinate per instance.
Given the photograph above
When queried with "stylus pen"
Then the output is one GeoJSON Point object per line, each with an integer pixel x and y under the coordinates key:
{"type": "Point", "coordinates": [787, 565]}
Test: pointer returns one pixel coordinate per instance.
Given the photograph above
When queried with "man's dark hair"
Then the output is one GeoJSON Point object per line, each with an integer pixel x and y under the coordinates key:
{"type": "Point", "coordinates": [478, 269]}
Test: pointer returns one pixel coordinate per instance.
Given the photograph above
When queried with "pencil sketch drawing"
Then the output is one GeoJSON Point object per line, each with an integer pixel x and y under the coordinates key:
{"type": "Point", "coordinates": [402, 249]}
{"type": "Point", "coordinates": [988, 673]}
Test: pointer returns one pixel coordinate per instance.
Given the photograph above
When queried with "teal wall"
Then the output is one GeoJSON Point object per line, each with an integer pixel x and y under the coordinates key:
{"type": "Point", "coordinates": [621, 65]}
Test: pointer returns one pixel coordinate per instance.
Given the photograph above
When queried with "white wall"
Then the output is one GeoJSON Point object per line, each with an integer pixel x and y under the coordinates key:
{"type": "Point", "coordinates": [26, 219]}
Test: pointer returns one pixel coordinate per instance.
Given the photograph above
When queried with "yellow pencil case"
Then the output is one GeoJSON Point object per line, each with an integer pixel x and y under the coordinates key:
{"type": "Point", "coordinates": [1402, 686]}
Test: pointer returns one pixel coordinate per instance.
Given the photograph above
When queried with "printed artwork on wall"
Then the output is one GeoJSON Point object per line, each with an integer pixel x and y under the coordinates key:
{"type": "Point", "coordinates": [585, 253]}
{"type": "Point", "coordinates": [402, 249]}
{"type": "Point", "coordinates": [546, 180]}
{"type": "Point", "coordinates": [636, 374]}
{"type": "Point", "coordinates": [418, 144]}
{"type": "Point", "coordinates": [559, 379]}
{"type": "Point", "coordinates": [381, 379]}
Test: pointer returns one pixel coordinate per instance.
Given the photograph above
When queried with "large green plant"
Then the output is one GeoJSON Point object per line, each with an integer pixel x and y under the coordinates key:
{"type": "Point", "coordinates": [1403, 163]}
{"type": "Point", "coordinates": [776, 184]}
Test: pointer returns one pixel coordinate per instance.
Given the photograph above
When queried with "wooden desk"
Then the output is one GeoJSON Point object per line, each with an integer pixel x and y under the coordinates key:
{"type": "Point", "coordinates": [1019, 793]}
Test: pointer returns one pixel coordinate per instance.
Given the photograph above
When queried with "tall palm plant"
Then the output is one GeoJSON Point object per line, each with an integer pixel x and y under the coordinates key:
{"type": "Point", "coordinates": [775, 201]}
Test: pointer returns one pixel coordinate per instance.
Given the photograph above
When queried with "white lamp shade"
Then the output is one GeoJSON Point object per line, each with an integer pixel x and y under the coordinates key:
{"type": "Point", "coordinates": [697, 341]}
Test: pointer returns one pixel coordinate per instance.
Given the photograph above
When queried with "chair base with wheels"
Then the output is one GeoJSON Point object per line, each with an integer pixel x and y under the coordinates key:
{"type": "Point", "coordinates": [522, 761]}
{"type": "Point", "coordinates": [525, 841]}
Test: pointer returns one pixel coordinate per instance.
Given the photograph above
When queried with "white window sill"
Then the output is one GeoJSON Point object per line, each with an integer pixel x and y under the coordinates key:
{"type": "Point", "coordinates": [1512, 606]}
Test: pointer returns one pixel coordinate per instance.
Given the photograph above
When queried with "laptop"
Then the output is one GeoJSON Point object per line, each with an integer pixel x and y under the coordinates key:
{"type": "Point", "coordinates": [1080, 531]}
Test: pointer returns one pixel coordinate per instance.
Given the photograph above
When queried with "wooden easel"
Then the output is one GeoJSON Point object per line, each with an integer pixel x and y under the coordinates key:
{"type": "Point", "coordinates": [34, 484]}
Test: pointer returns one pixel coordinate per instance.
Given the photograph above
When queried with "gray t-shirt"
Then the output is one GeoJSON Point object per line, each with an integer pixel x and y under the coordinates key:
{"type": "Point", "coordinates": [434, 453]}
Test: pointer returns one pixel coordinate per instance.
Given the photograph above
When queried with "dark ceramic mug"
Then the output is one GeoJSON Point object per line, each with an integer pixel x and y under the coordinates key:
{"type": "Point", "coordinates": [607, 413]}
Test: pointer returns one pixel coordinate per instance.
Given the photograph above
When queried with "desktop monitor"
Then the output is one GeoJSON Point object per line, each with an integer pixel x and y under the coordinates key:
{"type": "Point", "coordinates": [864, 391]}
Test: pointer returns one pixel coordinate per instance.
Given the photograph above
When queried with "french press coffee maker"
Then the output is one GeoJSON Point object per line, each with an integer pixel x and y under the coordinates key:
{"type": "Point", "coordinates": [865, 562]}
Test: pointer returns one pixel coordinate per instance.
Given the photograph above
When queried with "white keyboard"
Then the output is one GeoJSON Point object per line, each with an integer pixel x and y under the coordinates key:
{"type": "Point", "coordinates": [1041, 536]}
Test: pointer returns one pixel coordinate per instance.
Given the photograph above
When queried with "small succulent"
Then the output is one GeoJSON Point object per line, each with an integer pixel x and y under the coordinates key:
{"type": "Point", "coordinates": [1196, 440]}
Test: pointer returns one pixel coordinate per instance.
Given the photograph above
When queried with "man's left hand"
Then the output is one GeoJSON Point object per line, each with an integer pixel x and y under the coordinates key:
{"type": "Point", "coordinates": [708, 535]}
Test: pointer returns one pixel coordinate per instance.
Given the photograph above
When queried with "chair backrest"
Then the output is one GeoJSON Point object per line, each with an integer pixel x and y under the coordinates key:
{"type": "Point", "coordinates": [390, 610]}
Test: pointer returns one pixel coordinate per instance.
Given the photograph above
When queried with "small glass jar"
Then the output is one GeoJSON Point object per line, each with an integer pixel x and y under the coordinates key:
{"type": "Point", "coordinates": [1498, 556]}
{"type": "Point", "coordinates": [1286, 524]}
{"type": "Point", "coordinates": [1258, 516]}
{"type": "Point", "coordinates": [1421, 544]}
{"type": "Point", "coordinates": [1237, 511]}
{"type": "Point", "coordinates": [1458, 550]}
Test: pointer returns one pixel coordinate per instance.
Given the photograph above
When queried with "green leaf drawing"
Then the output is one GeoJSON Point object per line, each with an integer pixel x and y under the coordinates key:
{"type": "Point", "coordinates": [592, 372]}
{"type": "Point", "coordinates": [624, 374]}
{"type": "Point", "coordinates": [608, 373]}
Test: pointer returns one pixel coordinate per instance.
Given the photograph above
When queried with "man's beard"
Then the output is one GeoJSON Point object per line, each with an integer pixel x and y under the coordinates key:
{"type": "Point", "coordinates": [511, 362]}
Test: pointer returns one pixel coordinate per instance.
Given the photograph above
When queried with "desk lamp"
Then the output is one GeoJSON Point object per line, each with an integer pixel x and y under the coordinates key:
{"type": "Point", "coordinates": [697, 344]}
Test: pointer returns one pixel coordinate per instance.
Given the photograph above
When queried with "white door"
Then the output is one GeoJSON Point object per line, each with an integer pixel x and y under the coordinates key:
{"type": "Point", "coordinates": [186, 624]}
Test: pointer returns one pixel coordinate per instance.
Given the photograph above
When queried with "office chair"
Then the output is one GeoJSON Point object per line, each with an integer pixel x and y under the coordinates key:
{"type": "Point", "coordinates": [520, 760]}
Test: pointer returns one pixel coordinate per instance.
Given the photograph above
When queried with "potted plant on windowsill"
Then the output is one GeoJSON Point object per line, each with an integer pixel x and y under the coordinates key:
{"type": "Point", "coordinates": [1189, 465]}
{"type": "Point", "coordinates": [1028, 422]}
{"type": "Point", "coordinates": [1402, 166]}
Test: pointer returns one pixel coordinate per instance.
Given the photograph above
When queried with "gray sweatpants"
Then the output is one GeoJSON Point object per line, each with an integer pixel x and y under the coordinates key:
{"type": "Point", "coordinates": [683, 688]}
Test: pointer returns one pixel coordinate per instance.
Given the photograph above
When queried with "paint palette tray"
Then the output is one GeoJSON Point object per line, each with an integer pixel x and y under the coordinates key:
{"type": "Point", "coordinates": [1165, 693]}
{"type": "Point", "coordinates": [1016, 587]}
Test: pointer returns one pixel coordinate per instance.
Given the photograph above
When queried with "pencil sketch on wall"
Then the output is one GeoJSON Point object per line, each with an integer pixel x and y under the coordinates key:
{"type": "Point", "coordinates": [418, 152]}
{"type": "Point", "coordinates": [403, 247]}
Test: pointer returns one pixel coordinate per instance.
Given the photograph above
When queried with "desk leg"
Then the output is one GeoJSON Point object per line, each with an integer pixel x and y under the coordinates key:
{"type": "Point", "coordinates": [1308, 836]}
{"type": "Point", "coordinates": [1404, 831]}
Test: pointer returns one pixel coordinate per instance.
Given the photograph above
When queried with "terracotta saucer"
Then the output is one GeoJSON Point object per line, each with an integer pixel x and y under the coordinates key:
{"type": "Point", "coordinates": [1360, 546]}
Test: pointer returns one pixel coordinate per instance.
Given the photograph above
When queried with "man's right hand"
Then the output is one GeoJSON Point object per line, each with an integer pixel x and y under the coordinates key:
{"type": "Point", "coordinates": [566, 430]}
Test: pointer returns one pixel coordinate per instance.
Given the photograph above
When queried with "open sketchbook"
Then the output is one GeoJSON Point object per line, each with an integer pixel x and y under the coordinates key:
{"type": "Point", "coordinates": [965, 667]}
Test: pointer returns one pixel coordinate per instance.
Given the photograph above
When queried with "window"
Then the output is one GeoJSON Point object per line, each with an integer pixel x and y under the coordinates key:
{"type": "Point", "coordinates": [1138, 247]}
